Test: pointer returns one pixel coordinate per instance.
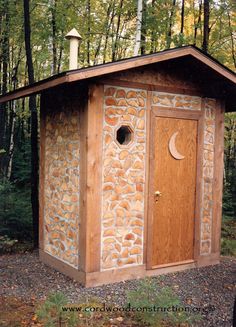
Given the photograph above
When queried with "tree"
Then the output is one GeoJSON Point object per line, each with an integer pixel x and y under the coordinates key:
{"type": "Point", "coordinates": [54, 36]}
{"type": "Point", "coordinates": [5, 59]}
{"type": "Point", "coordinates": [114, 50]}
{"type": "Point", "coordinates": [138, 27]}
{"type": "Point", "coordinates": [143, 28]}
{"type": "Point", "coordinates": [111, 30]}
{"type": "Point", "coordinates": [88, 9]}
{"type": "Point", "coordinates": [169, 30]}
{"type": "Point", "coordinates": [206, 29]}
{"type": "Point", "coordinates": [198, 23]}
{"type": "Point", "coordinates": [182, 17]}
{"type": "Point", "coordinates": [34, 125]}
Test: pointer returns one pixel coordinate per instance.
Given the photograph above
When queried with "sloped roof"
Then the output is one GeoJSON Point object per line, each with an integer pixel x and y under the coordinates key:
{"type": "Point", "coordinates": [204, 60]}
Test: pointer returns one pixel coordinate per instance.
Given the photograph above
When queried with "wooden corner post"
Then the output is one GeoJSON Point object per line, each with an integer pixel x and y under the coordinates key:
{"type": "Point", "coordinates": [91, 173]}
{"type": "Point", "coordinates": [42, 170]}
{"type": "Point", "coordinates": [218, 177]}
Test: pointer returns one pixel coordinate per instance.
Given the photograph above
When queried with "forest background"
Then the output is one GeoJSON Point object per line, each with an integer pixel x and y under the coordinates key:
{"type": "Point", "coordinates": [33, 47]}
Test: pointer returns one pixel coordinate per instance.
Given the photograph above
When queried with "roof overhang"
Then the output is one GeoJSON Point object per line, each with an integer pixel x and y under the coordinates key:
{"type": "Point", "coordinates": [221, 71]}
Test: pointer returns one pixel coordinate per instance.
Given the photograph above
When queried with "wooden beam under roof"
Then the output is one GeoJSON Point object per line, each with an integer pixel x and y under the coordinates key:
{"type": "Point", "coordinates": [121, 65]}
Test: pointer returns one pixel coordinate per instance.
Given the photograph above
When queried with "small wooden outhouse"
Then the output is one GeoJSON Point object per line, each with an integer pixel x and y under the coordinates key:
{"type": "Point", "coordinates": [131, 165]}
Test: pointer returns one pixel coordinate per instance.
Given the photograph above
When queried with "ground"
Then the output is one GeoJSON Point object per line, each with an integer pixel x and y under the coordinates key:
{"type": "Point", "coordinates": [26, 282]}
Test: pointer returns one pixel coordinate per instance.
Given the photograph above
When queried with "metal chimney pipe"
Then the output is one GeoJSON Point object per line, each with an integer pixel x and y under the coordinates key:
{"type": "Point", "coordinates": [74, 38]}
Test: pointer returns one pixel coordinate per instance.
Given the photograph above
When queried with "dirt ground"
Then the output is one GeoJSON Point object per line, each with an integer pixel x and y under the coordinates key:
{"type": "Point", "coordinates": [26, 282]}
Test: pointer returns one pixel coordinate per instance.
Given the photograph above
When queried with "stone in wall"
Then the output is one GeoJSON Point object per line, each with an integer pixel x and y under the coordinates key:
{"type": "Point", "coordinates": [123, 178]}
{"type": "Point", "coordinates": [177, 101]}
{"type": "Point", "coordinates": [61, 202]}
{"type": "Point", "coordinates": [208, 175]}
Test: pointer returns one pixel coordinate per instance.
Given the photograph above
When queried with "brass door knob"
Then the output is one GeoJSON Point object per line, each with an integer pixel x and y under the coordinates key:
{"type": "Point", "coordinates": [157, 195]}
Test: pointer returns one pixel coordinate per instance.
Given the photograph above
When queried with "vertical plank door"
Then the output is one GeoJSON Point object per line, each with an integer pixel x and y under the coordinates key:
{"type": "Point", "coordinates": [174, 176]}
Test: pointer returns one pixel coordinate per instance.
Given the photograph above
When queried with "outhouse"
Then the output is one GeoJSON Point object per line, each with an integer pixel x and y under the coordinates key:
{"type": "Point", "coordinates": [131, 165]}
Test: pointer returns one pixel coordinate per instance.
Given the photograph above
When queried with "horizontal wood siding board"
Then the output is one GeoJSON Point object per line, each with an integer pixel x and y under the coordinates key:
{"type": "Point", "coordinates": [176, 113]}
{"type": "Point", "coordinates": [150, 87]}
{"type": "Point", "coordinates": [179, 263]}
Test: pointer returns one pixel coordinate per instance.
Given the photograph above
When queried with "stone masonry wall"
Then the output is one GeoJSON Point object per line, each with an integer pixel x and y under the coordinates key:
{"type": "Point", "coordinates": [123, 178]}
{"type": "Point", "coordinates": [177, 101]}
{"type": "Point", "coordinates": [208, 175]}
{"type": "Point", "coordinates": [61, 202]}
{"type": "Point", "coordinates": [124, 172]}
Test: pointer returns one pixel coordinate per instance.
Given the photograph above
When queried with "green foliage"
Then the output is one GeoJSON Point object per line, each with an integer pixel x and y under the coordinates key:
{"type": "Point", "coordinates": [21, 165]}
{"type": "Point", "coordinates": [101, 37]}
{"type": "Point", "coordinates": [228, 241]}
{"type": "Point", "coordinates": [148, 295]}
{"type": "Point", "coordinates": [51, 314]}
{"type": "Point", "coordinates": [6, 244]}
{"type": "Point", "coordinates": [15, 197]}
{"type": "Point", "coordinates": [15, 211]}
{"type": "Point", "coordinates": [90, 317]}
{"type": "Point", "coordinates": [229, 203]}
{"type": "Point", "coordinates": [228, 247]}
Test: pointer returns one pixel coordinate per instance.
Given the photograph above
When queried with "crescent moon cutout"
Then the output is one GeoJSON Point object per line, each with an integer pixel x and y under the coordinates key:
{"type": "Point", "coordinates": [172, 148]}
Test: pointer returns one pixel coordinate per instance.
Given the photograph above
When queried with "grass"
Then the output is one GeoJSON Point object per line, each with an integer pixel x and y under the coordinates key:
{"type": "Point", "coordinates": [228, 237]}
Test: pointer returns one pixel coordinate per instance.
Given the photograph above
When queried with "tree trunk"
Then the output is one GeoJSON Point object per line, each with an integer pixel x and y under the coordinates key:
{"type": "Point", "coordinates": [153, 37]}
{"type": "Point", "coordinates": [169, 33]}
{"type": "Point", "coordinates": [59, 59]}
{"type": "Point", "coordinates": [108, 29]}
{"type": "Point", "coordinates": [114, 51]}
{"type": "Point", "coordinates": [11, 142]}
{"type": "Point", "coordinates": [206, 29]}
{"type": "Point", "coordinates": [54, 36]}
{"type": "Point", "coordinates": [34, 125]}
{"type": "Point", "coordinates": [13, 119]}
{"type": "Point", "coordinates": [144, 28]}
{"type": "Point", "coordinates": [182, 17]}
{"type": "Point", "coordinates": [138, 27]}
{"type": "Point", "coordinates": [198, 22]}
{"type": "Point", "coordinates": [88, 30]}
{"type": "Point", "coordinates": [232, 39]}
{"type": "Point", "coordinates": [3, 107]}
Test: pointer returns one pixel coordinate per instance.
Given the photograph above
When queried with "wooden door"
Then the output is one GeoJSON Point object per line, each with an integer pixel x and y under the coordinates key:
{"type": "Point", "coordinates": [173, 173]}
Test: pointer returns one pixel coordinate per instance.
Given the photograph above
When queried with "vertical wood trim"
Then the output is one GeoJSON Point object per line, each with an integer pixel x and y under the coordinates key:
{"type": "Point", "coordinates": [83, 125]}
{"type": "Point", "coordinates": [42, 171]}
{"type": "Point", "coordinates": [199, 183]}
{"type": "Point", "coordinates": [150, 192]}
{"type": "Point", "coordinates": [147, 160]}
{"type": "Point", "coordinates": [94, 177]}
{"type": "Point", "coordinates": [218, 176]}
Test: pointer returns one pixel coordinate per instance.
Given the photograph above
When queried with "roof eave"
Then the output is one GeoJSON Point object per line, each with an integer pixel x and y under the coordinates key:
{"type": "Point", "coordinates": [122, 65]}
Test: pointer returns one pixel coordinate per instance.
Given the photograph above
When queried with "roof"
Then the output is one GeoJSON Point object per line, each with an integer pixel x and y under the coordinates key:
{"type": "Point", "coordinates": [222, 72]}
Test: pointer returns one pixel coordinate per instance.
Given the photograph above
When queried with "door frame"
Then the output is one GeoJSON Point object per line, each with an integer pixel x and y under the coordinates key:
{"type": "Point", "coordinates": [169, 112]}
